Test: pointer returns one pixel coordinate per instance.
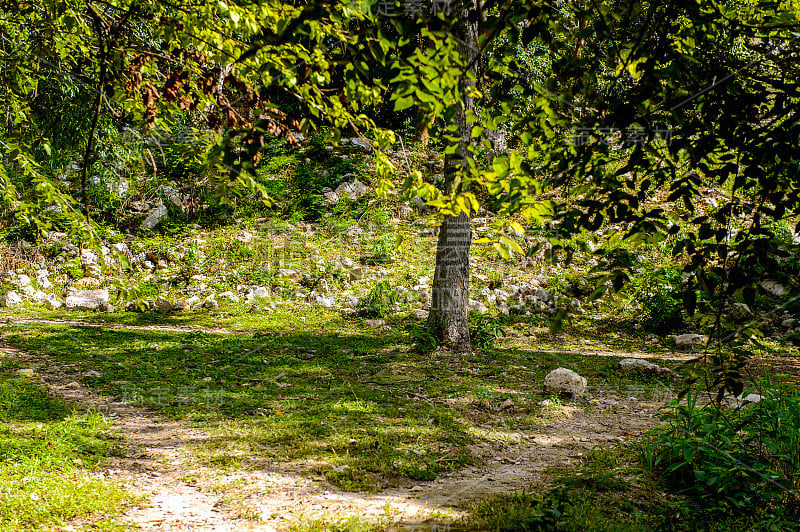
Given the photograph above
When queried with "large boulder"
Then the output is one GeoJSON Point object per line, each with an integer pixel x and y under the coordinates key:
{"type": "Point", "coordinates": [563, 381]}
{"type": "Point", "coordinates": [88, 300]}
{"type": "Point", "coordinates": [688, 341]}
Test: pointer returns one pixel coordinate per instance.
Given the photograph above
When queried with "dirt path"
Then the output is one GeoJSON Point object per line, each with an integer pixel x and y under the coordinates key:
{"type": "Point", "coordinates": [186, 496]}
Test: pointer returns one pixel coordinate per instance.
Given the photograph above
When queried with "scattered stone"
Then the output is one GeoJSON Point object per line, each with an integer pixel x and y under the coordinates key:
{"type": "Point", "coordinates": [326, 302]}
{"type": "Point", "coordinates": [210, 303]}
{"type": "Point", "coordinates": [563, 381]}
{"type": "Point", "coordinates": [88, 257]}
{"type": "Point", "coordinates": [421, 314]}
{"type": "Point", "coordinates": [26, 372]}
{"type": "Point", "coordinates": [52, 302]}
{"type": "Point", "coordinates": [330, 196]}
{"type": "Point", "coordinates": [229, 295]}
{"type": "Point", "coordinates": [478, 306]}
{"type": "Point", "coordinates": [93, 270]}
{"type": "Point", "coordinates": [286, 272]}
{"type": "Point", "coordinates": [192, 301]}
{"type": "Point", "coordinates": [741, 310]}
{"type": "Point", "coordinates": [180, 305]}
{"type": "Point", "coordinates": [507, 404]}
{"type": "Point", "coordinates": [776, 289]}
{"type": "Point", "coordinates": [687, 341]}
{"type": "Point", "coordinates": [259, 292]}
{"type": "Point", "coordinates": [788, 323]}
{"type": "Point", "coordinates": [244, 237]}
{"type": "Point", "coordinates": [356, 274]}
{"type": "Point", "coordinates": [637, 365]}
{"type": "Point", "coordinates": [351, 301]}
{"type": "Point", "coordinates": [739, 400]}
{"type": "Point", "coordinates": [87, 299]}
{"type": "Point", "coordinates": [163, 305]}
{"type": "Point", "coordinates": [375, 323]}
{"type": "Point", "coordinates": [346, 262]}
{"type": "Point", "coordinates": [363, 144]}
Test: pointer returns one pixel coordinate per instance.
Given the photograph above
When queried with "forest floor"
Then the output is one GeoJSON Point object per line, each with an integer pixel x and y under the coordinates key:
{"type": "Point", "coordinates": [161, 456]}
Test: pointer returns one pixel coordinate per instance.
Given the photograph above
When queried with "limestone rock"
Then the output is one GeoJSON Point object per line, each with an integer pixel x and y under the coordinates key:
{"type": "Point", "coordinates": [163, 305]}
{"type": "Point", "coordinates": [192, 301]}
{"type": "Point", "coordinates": [687, 341]}
{"type": "Point", "coordinates": [638, 365]}
{"type": "Point", "coordinates": [563, 381]}
{"type": "Point", "coordinates": [87, 299]}
{"type": "Point", "coordinates": [325, 302]}
{"type": "Point", "coordinates": [154, 217]}
{"type": "Point", "coordinates": [10, 299]}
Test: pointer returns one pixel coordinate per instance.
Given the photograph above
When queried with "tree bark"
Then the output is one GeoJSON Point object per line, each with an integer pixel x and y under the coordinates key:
{"type": "Point", "coordinates": [448, 318]}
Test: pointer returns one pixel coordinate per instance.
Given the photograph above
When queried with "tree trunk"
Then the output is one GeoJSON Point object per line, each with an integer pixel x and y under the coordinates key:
{"type": "Point", "coordinates": [448, 318]}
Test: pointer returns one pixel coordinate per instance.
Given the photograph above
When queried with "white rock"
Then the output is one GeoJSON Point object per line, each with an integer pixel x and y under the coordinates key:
{"type": "Point", "coordinates": [478, 306]}
{"type": "Point", "coordinates": [210, 302]}
{"type": "Point", "coordinates": [687, 341]}
{"type": "Point", "coordinates": [788, 323]}
{"type": "Point", "coordinates": [564, 381]}
{"type": "Point", "coordinates": [39, 296]}
{"type": "Point", "coordinates": [193, 301]}
{"type": "Point", "coordinates": [375, 323]}
{"type": "Point", "coordinates": [737, 401]}
{"type": "Point", "coordinates": [638, 365]}
{"type": "Point", "coordinates": [52, 302]}
{"type": "Point", "coordinates": [21, 281]}
{"type": "Point", "coordinates": [10, 299]}
{"type": "Point", "coordinates": [244, 236]}
{"type": "Point", "coordinates": [346, 262]}
{"type": "Point", "coordinates": [351, 301]}
{"type": "Point", "coordinates": [87, 299]}
{"type": "Point", "coordinates": [43, 279]}
{"type": "Point", "coordinates": [154, 217]}
{"type": "Point", "coordinates": [354, 230]}
{"type": "Point", "coordinates": [325, 302]}
{"type": "Point", "coordinates": [28, 292]}
{"type": "Point", "coordinates": [88, 258]}
{"type": "Point", "coordinates": [776, 289]}
{"type": "Point", "coordinates": [229, 295]}
{"type": "Point", "coordinates": [330, 197]}
{"type": "Point", "coordinates": [286, 272]}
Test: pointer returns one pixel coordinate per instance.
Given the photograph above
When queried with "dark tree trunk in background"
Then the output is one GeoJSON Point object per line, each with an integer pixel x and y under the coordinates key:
{"type": "Point", "coordinates": [448, 319]}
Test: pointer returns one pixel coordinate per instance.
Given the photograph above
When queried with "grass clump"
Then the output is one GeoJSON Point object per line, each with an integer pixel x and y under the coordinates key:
{"type": "Point", "coordinates": [48, 458]}
{"type": "Point", "coordinates": [740, 464]}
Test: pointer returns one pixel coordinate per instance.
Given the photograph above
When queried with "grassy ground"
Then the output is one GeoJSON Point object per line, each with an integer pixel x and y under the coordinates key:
{"type": "Point", "coordinates": [359, 402]}
{"type": "Point", "coordinates": [50, 460]}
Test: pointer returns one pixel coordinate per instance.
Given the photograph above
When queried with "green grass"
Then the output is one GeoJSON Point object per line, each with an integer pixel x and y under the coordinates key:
{"type": "Point", "coordinates": [356, 403]}
{"type": "Point", "coordinates": [50, 458]}
{"type": "Point", "coordinates": [608, 492]}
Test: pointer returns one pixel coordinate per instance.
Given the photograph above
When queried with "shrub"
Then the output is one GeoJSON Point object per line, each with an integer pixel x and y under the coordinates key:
{"type": "Point", "coordinates": [740, 462]}
{"type": "Point", "coordinates": [484, 329]}
{"type": "Point", "coordinates": [380, 300]}
{"type": "Point", "coordinates": [658, 294]}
